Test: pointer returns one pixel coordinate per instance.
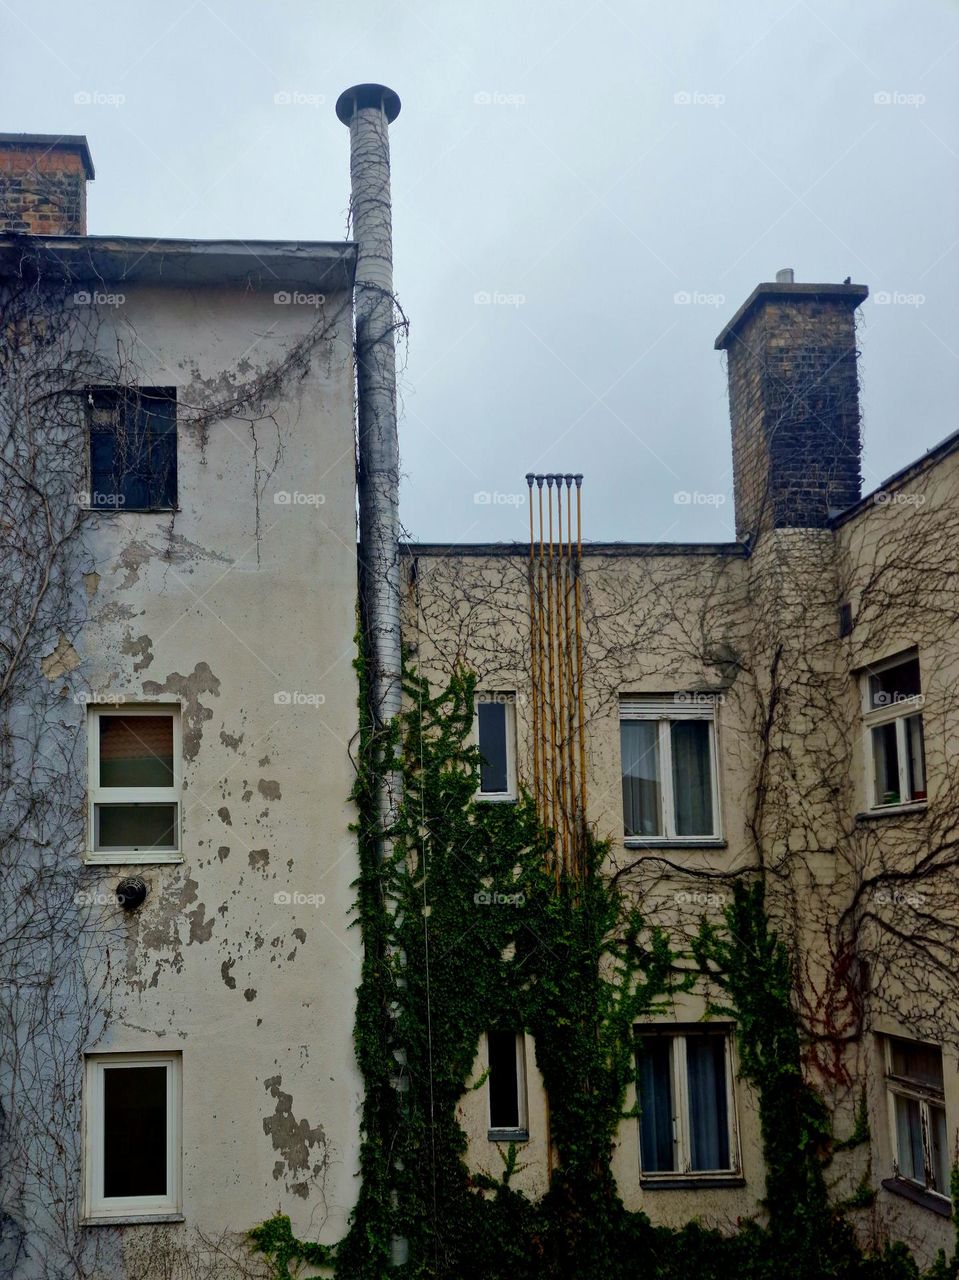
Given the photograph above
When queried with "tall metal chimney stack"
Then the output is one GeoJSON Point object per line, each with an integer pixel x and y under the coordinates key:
{"type": "Point", "coordinates": [368, 110]}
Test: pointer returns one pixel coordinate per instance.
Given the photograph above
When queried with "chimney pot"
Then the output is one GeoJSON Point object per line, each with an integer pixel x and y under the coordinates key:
{"type": "Point", "coordinates": [786, 276]}
{"type": "Point", "coordinates": [43, 183]}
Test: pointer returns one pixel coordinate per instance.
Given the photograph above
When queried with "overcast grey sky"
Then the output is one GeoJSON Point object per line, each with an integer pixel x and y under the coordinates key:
{"type": "Point", "coordinates": [580, 164]}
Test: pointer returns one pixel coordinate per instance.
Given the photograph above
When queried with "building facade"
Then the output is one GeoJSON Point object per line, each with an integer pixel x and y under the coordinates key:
{"type": "Point", "coordinates": [180, 726]}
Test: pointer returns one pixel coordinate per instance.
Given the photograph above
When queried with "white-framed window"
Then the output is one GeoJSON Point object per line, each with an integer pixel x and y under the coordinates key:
{"type": "Point", "coordinates": [669, 768]}
{"type": "Point", "coordinates": [684, 1088]}
{"type": "Point", "coordinates": [917, 1114]}
{"type": "Point", "coordinates": [506, 1086]}
{"type": "Point", "coordinates": [495, 731]}
{"type": "Point", "coordinates": [132, 1140]}
{"type": "Point", "coordinates": [892, 722]}
{"type": "Point", "coordinates": [135, 772]}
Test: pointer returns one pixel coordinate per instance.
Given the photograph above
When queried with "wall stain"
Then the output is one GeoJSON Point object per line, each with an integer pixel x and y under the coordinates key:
{"type": "Point", "coordinates": [268, 789]}
{"type": "Point", "coordinates": [294, 1139]}
{"type": "Point", "coordinates": [188, 689]}
{"type": "Point", "coordinates": [61, 661]}
{"type": "Point", "coordinates": [141, 647]}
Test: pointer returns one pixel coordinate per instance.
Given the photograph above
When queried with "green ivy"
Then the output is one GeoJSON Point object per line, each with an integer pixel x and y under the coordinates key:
{"type": "Point", "coordinates": [572, 962]}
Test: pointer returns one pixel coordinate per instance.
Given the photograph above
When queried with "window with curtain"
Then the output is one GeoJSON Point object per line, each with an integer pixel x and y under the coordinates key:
{"type": "Point", "coordinates": [135, 770]}
{"type": "Point", "coordinates": [892, 715]}
{"type": "Point", "coordinates": [669, 768]}
{"type": "Point", "coordinates": [684, 1089]}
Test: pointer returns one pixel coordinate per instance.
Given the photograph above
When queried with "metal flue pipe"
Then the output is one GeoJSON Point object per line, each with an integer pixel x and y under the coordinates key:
{"type": "Point", "coordinates": [368, 110]}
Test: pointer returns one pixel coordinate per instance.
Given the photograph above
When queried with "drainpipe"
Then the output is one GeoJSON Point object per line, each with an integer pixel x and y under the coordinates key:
{"type": "Point", "coordinates": [368, 110]}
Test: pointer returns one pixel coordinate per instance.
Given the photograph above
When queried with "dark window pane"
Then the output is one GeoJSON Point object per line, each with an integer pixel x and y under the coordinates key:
{"type": "Point", "coordinates": [895, 684]}
{"type": "Point", "coordinates": [136, 826]}
{"type": "Point", "coordinates": [135, 1131]}
{"type": "Point", "coordinates": [136, 751]}
{"type": "Point", "coordinates": [916, 758]}
{"type": "Point", "coordinates": [692, 780]}
{"type": "Point", "coordinates": [919, 1062]}
{"type": "Point", "coordinates": [885, 752]}
{"type": "Point", "coordinates": [494, 776]}
{"type": "Point", "coordinates": [133, 450]}
{"type": "Point", "coordinates": [642, 805]}
{"type": "Point", "coordinates": [657, 1153]}
{"type": "Point", "coordinates": [708, 1112]}
{"type": "Point", "coordinates": [503, 1080]}
{"type": "Point", "coordinates": [909, 1139]}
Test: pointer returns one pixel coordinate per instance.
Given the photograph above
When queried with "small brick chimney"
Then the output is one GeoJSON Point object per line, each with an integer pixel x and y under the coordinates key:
{"type": "Point", "coordinates": [794, 404]}
{"type": "Point", "coordinates": [43, 183]}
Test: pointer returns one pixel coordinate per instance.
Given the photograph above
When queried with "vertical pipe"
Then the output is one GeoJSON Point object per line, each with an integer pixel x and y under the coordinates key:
{"type": "Point", "coordinates": [562, 647]}
{"type": "Point", "coordinates": [551, 658]}
{"type": "Point", "coordinates": [368, 110]}
{"type": "Point", "coordinates": [579, 655]}
{"type": "Point", "coordinates": [571, 677]}
{"type": "Point", "coordinates": [533, 628]}
{"type": "Point", "coordinates": [541, 639]}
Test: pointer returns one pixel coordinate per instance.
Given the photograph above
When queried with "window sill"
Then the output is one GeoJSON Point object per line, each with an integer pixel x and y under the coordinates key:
{"type": "Point", "coordinates": [919, 1195]}
{"type": "Point", "coordinates": [892, 811]}
{"type": "Point", "coordinates": [508, 1135]}
{"type": "Point", "coordinates": [131, 858]}
{"type": "Point", "coordinates": [131, 511]}
{"type": "Point", "coordinates": [483, 798]}
{"type": "Point", "coordinates": [693, 1182]}
{"type": "Point", "coordinates": [130, 1219]}
{"type": "Point", "coordinates": [690, 842]}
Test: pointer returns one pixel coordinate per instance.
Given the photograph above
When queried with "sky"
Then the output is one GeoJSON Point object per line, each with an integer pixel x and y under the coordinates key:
{"type": "Point", "coordinates": [584, 193]}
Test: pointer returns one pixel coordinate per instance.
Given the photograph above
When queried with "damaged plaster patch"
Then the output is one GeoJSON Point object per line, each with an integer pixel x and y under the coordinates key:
{"type": "Point", "coordinates": [201, 930]}
{"type": "Point", "coordinates": [293, 1139]}
{"type": "Point", "coordinates": [228, 740]}
{"type": "Point", "coordinates": [188, 689]}
{"type": "Point", "coordinates": [223, 814]}
{"type": "Point", "coordinates": [223, 852]}
{"type": "Point", "coordinates": [91, 583]}
{"type": "Point", "coordinates": [141, 647]}
{"type": "Point", "coordinates": [173, 550]}
{"type": "Point", "coordinates": [268, 789]}
{"type": "Point", "coordinates": [259, 860]}
{"type": "Point", "coordinates": [225, 974]}
{"type": "Point", "coordinates": [61, 661]}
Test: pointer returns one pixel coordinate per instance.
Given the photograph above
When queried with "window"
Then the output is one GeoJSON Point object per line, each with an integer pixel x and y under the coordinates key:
{"type": "Point", "coordinates": [132, 1134]}
{"type": "Point", "coordinates": [669, 768]}
{"type": "Point", "coordinates": [133, 449]}
{"type": "Point", "coordinates": [506, 1060]}
{"type": "Point", "coordinates": [135, 772]}
{"type": "Point", "coordinates": [917, 1110]}
{"type": "Point", "coordinates": [892, 716]}
{"type": "Point", "coordinates": [496, 738]}
{"type": "Point", "coordinates": [685, 1093]}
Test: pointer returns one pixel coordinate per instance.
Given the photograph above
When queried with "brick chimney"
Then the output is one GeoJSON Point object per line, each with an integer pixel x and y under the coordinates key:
{"type": "Point", "coordinates": [794, 404]}
{"type": "Point", "coordinates": [43, 183]}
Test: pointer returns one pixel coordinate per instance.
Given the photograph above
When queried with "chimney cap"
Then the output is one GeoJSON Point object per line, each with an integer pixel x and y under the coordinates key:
{"type": "Point", "coordinates": [850, 295]}
{"type": "Point", "coordinates": [52, 142]}
{"type": "Point", "coordinates": [786, 276]}
{"type": "Point", "coordinates": [367, 95]}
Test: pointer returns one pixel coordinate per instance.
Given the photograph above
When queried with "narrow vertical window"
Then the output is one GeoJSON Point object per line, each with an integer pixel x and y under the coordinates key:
{"type": "Point", "coordinates": [133, 458]}
{"type": "Point", "coordinates": [132, 1135]}
{"type": "Point", "coordinates": [892, 718]}
{"type": "Point", "coordinates": [916, 1089]}
{"type": "Point", "coordinates": [495, 727]}
{"type": "Point", "coordinates": [506, 1064]}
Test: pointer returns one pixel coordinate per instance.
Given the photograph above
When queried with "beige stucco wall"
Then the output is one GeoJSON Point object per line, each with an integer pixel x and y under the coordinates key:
{"type": "Point", "coordinates": [222, 606]}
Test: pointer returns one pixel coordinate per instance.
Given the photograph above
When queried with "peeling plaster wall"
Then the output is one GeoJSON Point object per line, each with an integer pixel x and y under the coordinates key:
{"type": "Point", "coordinates": [245, 618]}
